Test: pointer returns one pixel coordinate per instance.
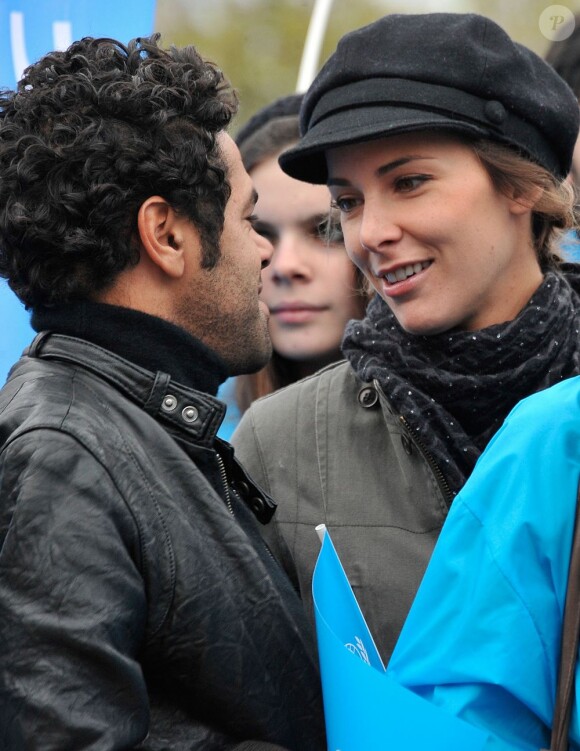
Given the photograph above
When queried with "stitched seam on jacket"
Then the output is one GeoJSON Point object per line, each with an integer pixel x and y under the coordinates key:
{"type": "Point", "coordinates": [169, 547]}
{"type": "Point", "coordinates": [260, 453]}
{"type": "Point", "coordinates": [296, 476]}
{"type": "Point", "coordinates": [322, 471]}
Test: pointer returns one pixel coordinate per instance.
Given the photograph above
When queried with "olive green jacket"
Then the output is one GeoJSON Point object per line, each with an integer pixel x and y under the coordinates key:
{"type": "Point", "coordinates": [330, 450]}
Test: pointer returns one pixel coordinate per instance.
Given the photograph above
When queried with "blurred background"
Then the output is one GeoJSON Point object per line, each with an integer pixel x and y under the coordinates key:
{"type": "Point", "coordinates": [259, 43]}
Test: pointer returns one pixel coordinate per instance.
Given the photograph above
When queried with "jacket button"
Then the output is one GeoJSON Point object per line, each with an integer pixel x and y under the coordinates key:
{"type": "Point", "coordinates": [169, 403]}
{"type": "Point", "coordinates": [242, 488]}
{"type": "Point", "coordinates": [257, 505]}
{"type": "Point", "coordinates": [190, 414]}
{"type": "Point", "coordinates": [368, 397]}
{"type": "Point", "coordinates": [407, 445]}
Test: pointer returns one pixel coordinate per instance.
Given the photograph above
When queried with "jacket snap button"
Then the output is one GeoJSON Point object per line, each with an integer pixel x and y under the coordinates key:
{"type": "Point", "coordinates": [257, 505]}
{"type": "Point", "coordinates": [190, 414]}
{"type": "Point", "coordinates": [368, 397]}
{"type": "Point", "coordinates": [242, 488]}
{"type": "Point", "coordinates": [407, 445]}
{"type": "Point", "coordinates": [169, 403]}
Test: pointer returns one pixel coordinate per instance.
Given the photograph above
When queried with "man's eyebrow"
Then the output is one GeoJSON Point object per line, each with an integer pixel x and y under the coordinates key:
{"type": "Point", "coordinates": [251, 201]}
{"type": "Point", "coordinates": [382, 170]}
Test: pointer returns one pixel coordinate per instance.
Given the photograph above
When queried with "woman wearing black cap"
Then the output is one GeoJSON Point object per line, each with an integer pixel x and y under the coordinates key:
{"type": "Point", "coordinates": [445, 146]}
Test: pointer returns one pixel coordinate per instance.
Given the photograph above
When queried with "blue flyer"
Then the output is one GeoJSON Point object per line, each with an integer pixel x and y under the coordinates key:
{"type": "Point", "coordinates": [365, 708]}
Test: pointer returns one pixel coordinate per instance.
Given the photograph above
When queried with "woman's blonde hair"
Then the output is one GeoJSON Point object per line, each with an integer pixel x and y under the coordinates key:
{"type": "Point", "coordinates": [516, 176]}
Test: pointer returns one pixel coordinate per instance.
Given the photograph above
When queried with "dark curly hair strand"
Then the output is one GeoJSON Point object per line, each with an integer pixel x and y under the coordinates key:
{"type": "Point", "coordinates": [91, 133]}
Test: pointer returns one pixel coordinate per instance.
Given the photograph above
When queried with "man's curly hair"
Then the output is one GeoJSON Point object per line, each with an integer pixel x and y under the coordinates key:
{"type": "Point", "coordinates": [91, 133]}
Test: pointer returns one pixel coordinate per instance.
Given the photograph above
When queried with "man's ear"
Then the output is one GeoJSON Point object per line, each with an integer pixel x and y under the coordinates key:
{"type": "Point", "coordinates": [163, 234]}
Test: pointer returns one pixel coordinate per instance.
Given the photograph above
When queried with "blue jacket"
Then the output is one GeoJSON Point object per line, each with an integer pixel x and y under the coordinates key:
{"type": "Point", "coordinates": [483, 636]}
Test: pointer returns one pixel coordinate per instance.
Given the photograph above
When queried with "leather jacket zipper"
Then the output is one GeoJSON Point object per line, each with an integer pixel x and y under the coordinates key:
{"type": "Point", "coordinates": [439, 476]}
{"type": "Point", "coordinates": [224, 477]}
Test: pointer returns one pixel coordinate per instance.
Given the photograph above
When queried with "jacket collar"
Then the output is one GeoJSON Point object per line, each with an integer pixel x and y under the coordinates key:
{"type": "Point", "coordinates": [145, 340]}
{"type": "Point", "coordinates": [196, 415]}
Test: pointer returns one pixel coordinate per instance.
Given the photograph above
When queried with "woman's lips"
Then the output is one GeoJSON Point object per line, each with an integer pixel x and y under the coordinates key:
{"type": "Point", "coordinates": [404, 272]}
{"type": "Point", "coordinates": [404, 279]}
{"type": "Point", "coordinates": [296, 312]}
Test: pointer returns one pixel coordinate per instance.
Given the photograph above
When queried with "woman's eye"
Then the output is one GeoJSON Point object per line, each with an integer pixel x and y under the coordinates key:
{"type": "Point", "coordinates": [409, 183]}
{"type": "Point", "coordinates": [344, 204]}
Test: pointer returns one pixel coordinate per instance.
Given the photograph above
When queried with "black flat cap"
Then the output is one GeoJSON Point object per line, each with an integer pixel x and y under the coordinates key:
{"type": "Point", "coordinates": [449, 71]}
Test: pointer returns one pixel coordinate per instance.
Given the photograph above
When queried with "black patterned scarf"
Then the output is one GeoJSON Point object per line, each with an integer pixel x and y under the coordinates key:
{"type": "Point", "coordinates": [455, 389]}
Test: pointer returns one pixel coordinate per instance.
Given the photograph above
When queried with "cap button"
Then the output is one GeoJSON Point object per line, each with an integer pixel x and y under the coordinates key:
{"type": "Point", "coordinates": [495, 112]}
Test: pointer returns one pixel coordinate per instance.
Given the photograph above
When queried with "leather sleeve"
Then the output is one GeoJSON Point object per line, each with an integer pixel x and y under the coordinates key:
{"type": "Point", "coordinates": [73, 611]}
{"type": "Point", "coordinates": [72, 602]}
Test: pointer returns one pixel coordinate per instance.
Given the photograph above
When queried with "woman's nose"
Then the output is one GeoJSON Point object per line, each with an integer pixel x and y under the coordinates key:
{"type": "Point", "coordinates": [379, 227]}
{"type": "Point", "coordinates": [290, 259]}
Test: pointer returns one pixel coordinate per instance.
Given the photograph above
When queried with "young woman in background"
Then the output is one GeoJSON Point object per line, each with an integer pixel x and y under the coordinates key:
{"type": "Point", "coordinates": [311, 286]}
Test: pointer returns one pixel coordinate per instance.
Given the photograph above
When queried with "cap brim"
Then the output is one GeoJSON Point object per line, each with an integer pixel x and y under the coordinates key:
{"type": "Point", "coordinates": [307, 161]}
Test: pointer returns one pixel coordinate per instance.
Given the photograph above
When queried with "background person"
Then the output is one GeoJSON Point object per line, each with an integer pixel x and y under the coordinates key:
{"type": "Point", "coordinates": [446, 147]}
{"type": "Point", "coordinates": [141, 605]}
{"type": "Point", "coordinates": [311, 287]}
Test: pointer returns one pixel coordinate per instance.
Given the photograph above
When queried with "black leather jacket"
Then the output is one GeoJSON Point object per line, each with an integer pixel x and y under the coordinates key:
{"type": "Point", "coordinates": [139, 605]}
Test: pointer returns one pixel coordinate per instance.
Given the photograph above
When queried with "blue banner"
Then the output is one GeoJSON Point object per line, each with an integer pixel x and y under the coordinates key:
{"type": "Point", "coordinates": [29, 29]}
{"type": "Point", "coordinates": [365, 709]}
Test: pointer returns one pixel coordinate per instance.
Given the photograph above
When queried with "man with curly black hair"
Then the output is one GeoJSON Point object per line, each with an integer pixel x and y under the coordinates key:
{"type": "Point", "coordinates": [145, 599]}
